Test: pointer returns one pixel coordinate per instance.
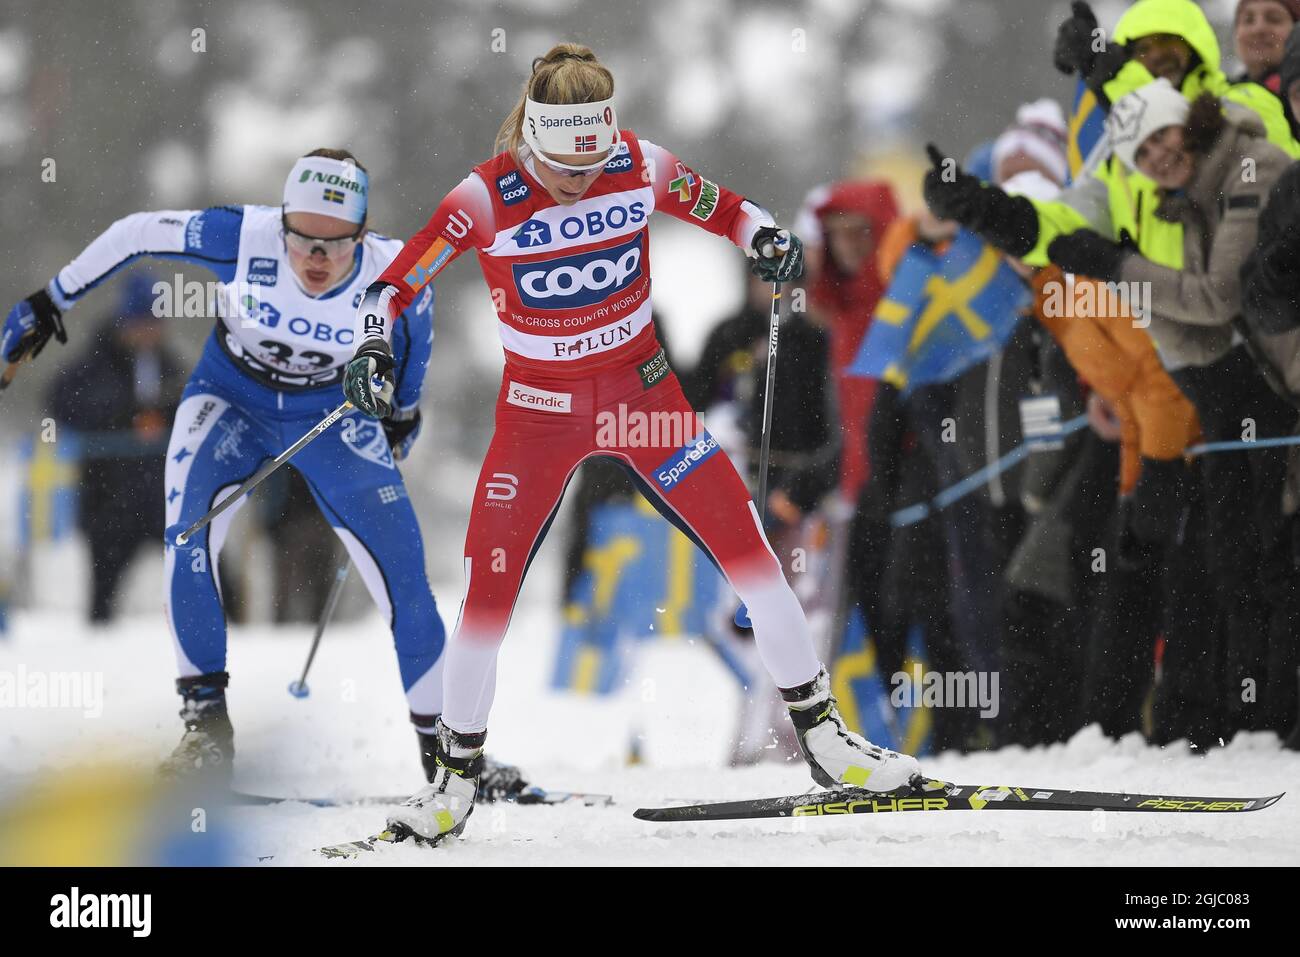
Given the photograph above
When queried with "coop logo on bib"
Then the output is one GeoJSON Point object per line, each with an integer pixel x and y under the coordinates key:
{"type": "Point", "coordinates": [512, 188]}
{"type": "Point", "coordinates": [263, 272]}
{"type": "Point", "coordinates": [685, 460]}
{"type": "Point", "coordinates": [366, 438]}
{"type": "Point", "coordinates": [582, 280]}
{"type": "Point", "coordinates": [622, 161]}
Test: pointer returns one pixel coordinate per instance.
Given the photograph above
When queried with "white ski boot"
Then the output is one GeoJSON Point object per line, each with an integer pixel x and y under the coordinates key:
{"type": "Point", "coordinates": [836, 755]}
{"type": "Point", "coordinates": [441, 808]}
{"type": "Point", "coordinates": [498, 782]}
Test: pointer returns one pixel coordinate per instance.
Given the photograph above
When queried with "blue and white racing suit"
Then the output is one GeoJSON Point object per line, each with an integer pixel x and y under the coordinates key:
{"type": "Point", "coordinates": [269, 372]}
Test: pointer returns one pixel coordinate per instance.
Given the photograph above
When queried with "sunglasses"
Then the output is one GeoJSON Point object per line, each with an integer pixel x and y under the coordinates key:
{"type": "Point", "coordinates": [335, 247]}
{"type": "Point", "coordinates": [565, 169]}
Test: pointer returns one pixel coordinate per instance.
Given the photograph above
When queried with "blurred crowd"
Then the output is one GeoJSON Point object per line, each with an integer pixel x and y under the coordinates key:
{"type": "Point", "coordinates": [1124, 574]}
{"type": "Point", "coordinates": [118, 398]}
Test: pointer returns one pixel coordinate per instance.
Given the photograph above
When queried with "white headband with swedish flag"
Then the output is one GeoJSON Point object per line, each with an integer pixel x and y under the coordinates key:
{"type": "Point", "coordinates": [331, 187]}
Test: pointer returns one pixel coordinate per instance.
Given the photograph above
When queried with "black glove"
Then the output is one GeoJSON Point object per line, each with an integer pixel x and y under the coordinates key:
{"type": "Point", "coordinates": [368, 379]}
{"type": "Point", "coordinates": [29, 326]}
{"type": "Point", "coordinates": [1104, 68]}
{"type": "Point", "coordinates": [1088, 253]}
{"type": "Point", "coordinates": [778, 255]}
{"type": "Point", "coordinates": [950, 192]}
{"type": "Point", "coordinates": [1073, 53]}
{"type": "Point", "coordinates": [1008, 222]}
{"type": "Point", "coordinates": [402, 429]}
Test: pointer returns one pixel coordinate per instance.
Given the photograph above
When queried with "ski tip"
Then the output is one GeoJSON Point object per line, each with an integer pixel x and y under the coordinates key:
{"type": "Point", "coordinates": [352, 849]}
{"type": "Point", "coordinates": [536, 795]}
{"type": "Point", "coordinates": [686, 812]}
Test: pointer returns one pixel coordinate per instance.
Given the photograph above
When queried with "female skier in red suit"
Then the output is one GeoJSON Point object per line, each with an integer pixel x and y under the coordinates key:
{"type": "Point", "coordinates": [559, 221]}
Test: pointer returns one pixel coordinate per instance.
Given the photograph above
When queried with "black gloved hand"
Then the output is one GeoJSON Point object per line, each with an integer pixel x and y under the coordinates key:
{"type": "Point", "coordinates": [29, 325]}
{"type": "Point", "coordinates": [368, 379]}
{"type": "Point", "coordinates": [402, 429]}
{"type": "Point", "coordinates": [950, 192]}
{"type": "Point", "coordinates": [778, 255]}
{"type": "Point", "coordinates": [1088, 253]}
{"type": "Point", "coordinates": [1104, 68]}
{"type": "Point", "coordinates": [1073, 53]}
{"type": "Point", "coordinates": [1008, 222]}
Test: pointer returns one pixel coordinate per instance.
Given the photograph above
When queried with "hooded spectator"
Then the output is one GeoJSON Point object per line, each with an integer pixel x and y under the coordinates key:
{"type": "Point", "coordinates": [848, 220]}
{"type": "Point", "coordinates": [1169, 39]}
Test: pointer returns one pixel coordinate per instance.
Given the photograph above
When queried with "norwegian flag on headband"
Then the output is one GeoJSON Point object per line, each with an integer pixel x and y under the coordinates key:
{"type": "Point", "coordinates": [584, 144]}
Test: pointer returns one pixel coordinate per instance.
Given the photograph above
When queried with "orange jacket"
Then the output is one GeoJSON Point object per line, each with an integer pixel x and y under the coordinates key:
{"type": "Point", "coordinates": [1119, 361]}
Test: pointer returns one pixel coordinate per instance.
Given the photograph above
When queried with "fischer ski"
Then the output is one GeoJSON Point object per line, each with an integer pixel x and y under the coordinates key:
{"type": "Point", "coordinates": [395, 834]}
{"type": "Point", "coordinates": [530, 795]}
{"type": "Point", "coordinates": [941, 796]}
{"type": "Point", "coordinates": [352, 849]}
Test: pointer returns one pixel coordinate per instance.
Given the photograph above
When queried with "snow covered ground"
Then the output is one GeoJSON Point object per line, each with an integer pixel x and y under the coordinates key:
{"type": "Point", "coordinates": [351, 738]}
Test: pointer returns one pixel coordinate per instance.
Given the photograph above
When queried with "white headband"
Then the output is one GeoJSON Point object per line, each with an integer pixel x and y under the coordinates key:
{"type": "Point", "coordinates": [330, 187]}
{"type": "Point", "coordinates": [562, 128]}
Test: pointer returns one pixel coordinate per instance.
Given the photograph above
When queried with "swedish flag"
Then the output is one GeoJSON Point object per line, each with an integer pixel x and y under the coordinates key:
{"type": "Point", "coordinates": [49, 492]}
{"type": "Point", "coordinates": [942, 315]}
{"type": "Point", "coordinates": [864, 693]}
{"type": "Point", "coordinates": [1087, 128]}
{"type": "Point", "coordinates": [642, 579]}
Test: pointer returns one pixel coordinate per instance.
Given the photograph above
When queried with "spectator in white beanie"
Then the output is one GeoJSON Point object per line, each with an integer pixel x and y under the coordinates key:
{"type": "Point", "coordinates": [1035, 141]}
{"type": "Point", "coordinates": [1149, 122]}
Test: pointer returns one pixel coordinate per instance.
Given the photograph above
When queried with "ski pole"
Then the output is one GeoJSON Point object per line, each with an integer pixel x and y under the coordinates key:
{"type": "Point", "coordinates": [742, 613]}
{"type": "Point", "coordinates": [261, 474]}
{"type": "Point", "coordinates": [299, 688]}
